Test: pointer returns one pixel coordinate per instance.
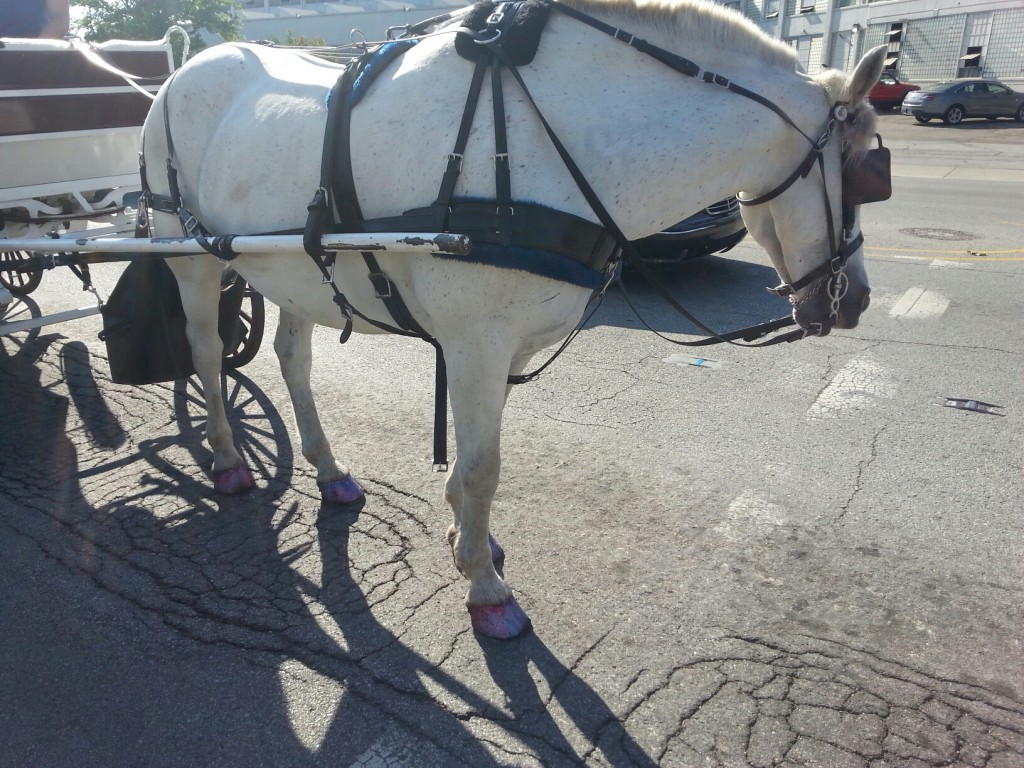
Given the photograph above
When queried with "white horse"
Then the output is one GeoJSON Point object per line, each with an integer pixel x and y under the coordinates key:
{"type": "Point", "coordinates": [247, 124]}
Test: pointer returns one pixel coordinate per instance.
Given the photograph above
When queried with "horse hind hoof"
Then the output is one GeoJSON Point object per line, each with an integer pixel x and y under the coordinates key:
{"type": "Point", "coordinates": [502, 622]}
{"type": "Point", "coordinates": [344, 491]}
{"type": "Point", "coordinates": [233, 480]}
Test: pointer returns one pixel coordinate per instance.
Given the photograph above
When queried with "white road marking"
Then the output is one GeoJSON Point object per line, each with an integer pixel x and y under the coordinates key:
{"type": "Point", "coordinates": [855, 387]}
{"type": "Point", "coordinates": [750, 516]}
{"type": "Point", "coordinates": [919, 303]}
{"type": "Point", "coordinates": [944, 264]}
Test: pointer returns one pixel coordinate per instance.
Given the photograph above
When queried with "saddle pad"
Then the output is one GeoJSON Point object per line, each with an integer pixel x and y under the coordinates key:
{"type": "Point", "coordinates": [520, 36]}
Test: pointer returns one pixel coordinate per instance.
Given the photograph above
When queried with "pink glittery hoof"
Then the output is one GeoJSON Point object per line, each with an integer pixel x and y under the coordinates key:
{"type": "Point", "coordinates": [344, 491]}
{"type": "Point", "coordinates": [502, 622]}
{"type": "Point", "coordinates": [233, 481]}
{"type": "Point", "coordinates": [497, 553]}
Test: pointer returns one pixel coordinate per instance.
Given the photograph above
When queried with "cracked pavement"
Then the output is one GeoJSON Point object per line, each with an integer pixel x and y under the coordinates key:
{"type": "Point", "coordinates": [797, 559]}
{"type": "Point", "coordinates": [344, 617]}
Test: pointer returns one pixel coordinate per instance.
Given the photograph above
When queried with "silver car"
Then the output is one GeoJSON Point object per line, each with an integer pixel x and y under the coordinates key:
{"type": "Point", "coordinates": [956, 100]}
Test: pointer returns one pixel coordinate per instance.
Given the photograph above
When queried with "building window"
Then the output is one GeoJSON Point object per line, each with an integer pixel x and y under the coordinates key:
{"type": "Point", "coordinates": [771, 9]}
{"type": "Point", "coordinates": [970, 63]}
{"type": "Point", "coordinates": [895, 38]}
{"type": "Point", "coordinates": [807, 6]}
{"type": "Point", "coordinates": [976, 37]}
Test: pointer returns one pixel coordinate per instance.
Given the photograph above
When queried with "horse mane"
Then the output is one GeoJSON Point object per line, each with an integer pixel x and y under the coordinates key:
{"type": "Point", "coordinates": [701, 20]}
{"type": "Point", "coordinates": [723, 28]}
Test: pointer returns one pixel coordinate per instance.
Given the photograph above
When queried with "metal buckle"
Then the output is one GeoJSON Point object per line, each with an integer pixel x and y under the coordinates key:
{"type": "Point", "coordinates": [623, 37]}
{"type": "Point", "coordinates": [376, 278]}
{"type": "Point", "coordinates": [329, 263]}
{"type": "Point", "coordinates": [456, 157]}
{"type": "Point", "coordinates": [497, 15]}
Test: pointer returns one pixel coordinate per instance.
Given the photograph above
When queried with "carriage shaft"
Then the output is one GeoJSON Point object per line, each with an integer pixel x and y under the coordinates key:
{"type": "Point", "coordinates": [415, 242]}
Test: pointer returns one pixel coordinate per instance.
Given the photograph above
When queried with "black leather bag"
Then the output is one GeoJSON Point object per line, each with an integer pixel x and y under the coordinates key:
{"type": "Point", "coordinates": [144, 323]}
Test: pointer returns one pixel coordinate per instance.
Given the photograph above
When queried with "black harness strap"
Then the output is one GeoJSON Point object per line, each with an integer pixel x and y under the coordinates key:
{"type": "Point", "coordinates": [442, 205]}
{"type": "Point", "coordinates": [335, 168]}
{"type": "Point", "coordinates": [502, 167]}
{"type": "Point", "coordinates": [678, 63]}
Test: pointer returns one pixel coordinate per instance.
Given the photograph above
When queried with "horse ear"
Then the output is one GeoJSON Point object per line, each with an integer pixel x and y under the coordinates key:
{"type": "Point", "coordinates": [866, 75]}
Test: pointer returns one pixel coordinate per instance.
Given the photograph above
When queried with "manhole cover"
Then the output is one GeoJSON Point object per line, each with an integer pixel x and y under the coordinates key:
{"type": "Point", "coordinates": [938, 234]}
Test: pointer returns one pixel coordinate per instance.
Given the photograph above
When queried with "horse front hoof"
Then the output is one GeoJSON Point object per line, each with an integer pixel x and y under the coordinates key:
{"type": "Point", "coordinates": [344, 491]}
{"type": "Point", "coordinates": [233, 481]}
{"type": "Point", "coordinates": [502, 622]}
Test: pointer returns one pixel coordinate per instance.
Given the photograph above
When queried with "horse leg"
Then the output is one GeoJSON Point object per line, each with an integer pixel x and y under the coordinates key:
{"type": "Point", "coordinates": [199, 285]}
{"type": "Point", "coordinates": [478, 389]}
{"type": "Point", "coordinates": [294, 347]}
{"type": "Point", "coordinates": [453, 486]}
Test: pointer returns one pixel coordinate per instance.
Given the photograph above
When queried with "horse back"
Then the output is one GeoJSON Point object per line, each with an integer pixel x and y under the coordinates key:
{"type": "Point", "coordinates": [247, 124]}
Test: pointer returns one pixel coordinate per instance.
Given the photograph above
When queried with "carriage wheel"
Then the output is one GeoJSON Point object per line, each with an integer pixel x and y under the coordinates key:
{"type": "Point", "coordinates": [249, 331]}
{"type": "Point", "coordinates": [18, 283]}
{"type": "Point", "coordinates": [22, 308]}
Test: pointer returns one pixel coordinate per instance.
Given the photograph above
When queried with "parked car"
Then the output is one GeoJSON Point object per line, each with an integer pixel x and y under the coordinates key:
{"type": "Point", "coordinates": [889, 91]}
{"type": "Point", "coordinates": [715, 229]}
{"type": "Point", "coordinates": [956, 100]}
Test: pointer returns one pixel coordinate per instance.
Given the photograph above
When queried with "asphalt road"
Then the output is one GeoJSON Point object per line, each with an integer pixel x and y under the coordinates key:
{"type": "Point", "coordinates": [792, 556]}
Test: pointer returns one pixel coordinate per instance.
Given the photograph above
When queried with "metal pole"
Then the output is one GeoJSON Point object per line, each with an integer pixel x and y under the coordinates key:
{"type": "Point", "coordinates": [404, 242]}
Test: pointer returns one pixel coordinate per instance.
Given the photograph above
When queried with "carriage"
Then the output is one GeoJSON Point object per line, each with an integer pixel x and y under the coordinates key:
{"type": "Point", "coordinates": [70, 118]}
{"type": "Point", "coordinates": [599, 122]}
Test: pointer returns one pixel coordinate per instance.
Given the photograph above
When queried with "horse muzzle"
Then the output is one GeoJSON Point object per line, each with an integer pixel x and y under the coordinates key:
{"type": "Point", "coordinates": [819, 312]}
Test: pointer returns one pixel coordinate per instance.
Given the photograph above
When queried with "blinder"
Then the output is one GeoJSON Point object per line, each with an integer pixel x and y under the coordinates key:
{"type": "Point", "coordinates": [870, 180]}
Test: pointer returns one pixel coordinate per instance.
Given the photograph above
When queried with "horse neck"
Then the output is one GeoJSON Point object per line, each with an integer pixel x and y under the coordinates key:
{"type": "Point", "coordinates": [666, 144]}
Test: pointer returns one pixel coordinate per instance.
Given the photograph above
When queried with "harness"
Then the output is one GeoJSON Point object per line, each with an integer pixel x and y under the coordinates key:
{"type": "Point", "coordinates": [518, 235]}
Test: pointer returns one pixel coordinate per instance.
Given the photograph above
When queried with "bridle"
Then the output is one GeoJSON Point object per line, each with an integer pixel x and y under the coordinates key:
{"type": "Point", "coordinates": [834, 270]}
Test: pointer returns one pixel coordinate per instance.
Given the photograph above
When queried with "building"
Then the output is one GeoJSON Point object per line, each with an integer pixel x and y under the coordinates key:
{"type": "Point", "coordinates": [334, 23]}
{"type": "Point", "coordinates": [928, 40]}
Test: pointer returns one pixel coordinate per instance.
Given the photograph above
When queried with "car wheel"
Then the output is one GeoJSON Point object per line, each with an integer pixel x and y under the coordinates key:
{"type": "Point", "coordinates": [1019, 117]}
{"type": "Point", "coordinates": [922, 118]}
{"type": "Point", "coordinates": [954, 115]}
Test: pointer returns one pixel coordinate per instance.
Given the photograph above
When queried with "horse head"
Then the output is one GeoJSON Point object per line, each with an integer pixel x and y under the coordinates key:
{"type": "Point", "coordinates": [808, 223]}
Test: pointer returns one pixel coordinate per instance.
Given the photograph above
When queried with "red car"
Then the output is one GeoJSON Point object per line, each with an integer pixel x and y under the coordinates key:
{"type": "Point", "coordinates": [889, 92]}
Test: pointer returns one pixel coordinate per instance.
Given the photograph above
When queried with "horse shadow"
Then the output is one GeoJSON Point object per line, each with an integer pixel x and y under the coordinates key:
{"type": "Point", "coordinates": [527, 714]}
{"type": "Point", "coordinates": [722, 293]}
{"type": "Point", "coordinates": [254, 575]}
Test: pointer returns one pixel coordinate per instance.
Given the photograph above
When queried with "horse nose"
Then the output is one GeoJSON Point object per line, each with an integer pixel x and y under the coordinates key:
{"type": "Point", "coordinates": [867, 301]}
